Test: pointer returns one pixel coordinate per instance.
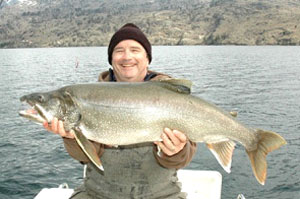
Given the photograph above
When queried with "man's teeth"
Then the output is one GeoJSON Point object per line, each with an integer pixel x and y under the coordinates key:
{"type": "Point", "coordinates": [127, 65]}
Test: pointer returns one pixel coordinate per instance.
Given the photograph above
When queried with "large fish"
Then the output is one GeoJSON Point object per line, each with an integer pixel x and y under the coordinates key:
{"type": "Point", "coordinates": [130, 113]}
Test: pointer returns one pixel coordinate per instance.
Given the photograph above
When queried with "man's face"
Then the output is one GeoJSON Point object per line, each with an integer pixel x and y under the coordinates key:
{"type": "Point", "coordinates": [130, 61]}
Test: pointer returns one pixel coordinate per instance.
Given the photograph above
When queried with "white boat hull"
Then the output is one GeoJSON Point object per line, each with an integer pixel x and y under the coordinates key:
{"type": "Point", "coordinates": [197, 184]}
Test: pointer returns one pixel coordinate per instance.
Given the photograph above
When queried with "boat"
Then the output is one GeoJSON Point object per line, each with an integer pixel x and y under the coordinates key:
{"type": "Point", "coordinates": [197, 184]}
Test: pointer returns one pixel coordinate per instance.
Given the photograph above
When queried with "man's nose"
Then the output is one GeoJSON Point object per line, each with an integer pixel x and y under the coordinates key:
{"type": "Point", "coordinates": [127, 54]}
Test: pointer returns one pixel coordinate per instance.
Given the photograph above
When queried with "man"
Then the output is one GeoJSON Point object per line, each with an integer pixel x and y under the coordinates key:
{"type": "Point", "coordinates": [135, 171]}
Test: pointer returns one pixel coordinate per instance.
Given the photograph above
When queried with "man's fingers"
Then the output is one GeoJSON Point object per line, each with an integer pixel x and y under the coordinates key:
{"type": "Point", "coordinates": [60, 129]}
{"type": "Point", "coordinates": [175, 136]}
{"type": "Point", "coordinates": [171, 136]}
{"type": "Point", "coordinates": [167, 142]}
{"type": "Point", "coordinates": [180, 136]}
{"type": "Point", "coordinates": [57, 127]}
{"type": "Point", "coordinates": [54, 125]}
{"type": "Point", "coordinates": [165, 149]}
{"type": "Point", "coordinates": [173, 141]}
{"type": "Point", "coordinates": [46, 126]}
{"type": "Point", "coordinates": [62, 132]}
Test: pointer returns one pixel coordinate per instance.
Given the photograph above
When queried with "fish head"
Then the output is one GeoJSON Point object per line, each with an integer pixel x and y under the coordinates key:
{"type": "Point", "coordinates": [45, 106]}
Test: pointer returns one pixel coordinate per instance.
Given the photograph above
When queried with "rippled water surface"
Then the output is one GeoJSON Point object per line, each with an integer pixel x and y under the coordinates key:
{"type": "Point", "coordinates": [261, 83]}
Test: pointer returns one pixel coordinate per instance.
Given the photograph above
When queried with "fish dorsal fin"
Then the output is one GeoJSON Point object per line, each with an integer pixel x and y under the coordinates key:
{"type": "Point", "coordinates": [223, 152]}
{"type": "Point", "coordinates": [178, 85]}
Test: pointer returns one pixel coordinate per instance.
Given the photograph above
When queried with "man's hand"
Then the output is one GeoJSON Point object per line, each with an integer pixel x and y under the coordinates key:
{"type": "Point", "coordinates": [172, 142]}
{"type": "Point", "coordinates": [57, 127]}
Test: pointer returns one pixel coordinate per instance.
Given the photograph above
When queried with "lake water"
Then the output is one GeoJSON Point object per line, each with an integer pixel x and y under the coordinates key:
{"type": "Point", "coordinates": [261, 83]}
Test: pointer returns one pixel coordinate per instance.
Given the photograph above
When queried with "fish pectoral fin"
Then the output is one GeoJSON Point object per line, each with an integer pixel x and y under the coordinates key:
{"type": "Point", "coordinates": [223, 152]}
{"type": "Point", "coordinates": [268, 141]}
{"type": "Point", "coordinates": [88, 148]}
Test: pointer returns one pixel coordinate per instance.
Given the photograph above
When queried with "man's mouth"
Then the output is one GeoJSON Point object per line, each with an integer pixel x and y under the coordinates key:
{"type": "Point", "coordinates": [127, 65]}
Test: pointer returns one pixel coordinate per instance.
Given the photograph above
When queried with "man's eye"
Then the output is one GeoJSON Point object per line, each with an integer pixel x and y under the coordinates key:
{"type": "Point", "coordinates": [135, 50]}
{"type": "Point", "coordinates": [118, 51]}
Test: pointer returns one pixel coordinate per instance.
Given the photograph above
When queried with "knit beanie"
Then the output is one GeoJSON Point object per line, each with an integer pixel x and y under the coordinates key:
{"type": "Point", "coordinates": [129, 31]}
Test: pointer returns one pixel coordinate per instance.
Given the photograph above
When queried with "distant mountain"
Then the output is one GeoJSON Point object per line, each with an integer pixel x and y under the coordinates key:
{"type": "Point", "coordinates": [48, 23]}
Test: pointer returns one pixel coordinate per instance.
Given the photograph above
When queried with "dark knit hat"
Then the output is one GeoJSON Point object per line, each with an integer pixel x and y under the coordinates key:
{"type": "Point", "coordinates": [129, 31]}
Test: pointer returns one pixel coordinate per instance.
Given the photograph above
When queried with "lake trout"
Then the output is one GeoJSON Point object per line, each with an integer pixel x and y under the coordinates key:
{"type": "Point", "coordinates": [129, 113]}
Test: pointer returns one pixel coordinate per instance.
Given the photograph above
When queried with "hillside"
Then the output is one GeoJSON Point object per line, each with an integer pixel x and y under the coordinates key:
{"type": "Point", "coordinates": [46, 23]}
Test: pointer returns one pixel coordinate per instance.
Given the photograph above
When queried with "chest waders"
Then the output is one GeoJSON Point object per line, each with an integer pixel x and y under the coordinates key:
{"type": "Point", "coordinates": [130, 172]}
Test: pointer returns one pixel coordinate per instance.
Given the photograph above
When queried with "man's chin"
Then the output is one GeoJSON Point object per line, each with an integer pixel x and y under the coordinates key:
{"type": "Point", "coordinates": [129, 73]}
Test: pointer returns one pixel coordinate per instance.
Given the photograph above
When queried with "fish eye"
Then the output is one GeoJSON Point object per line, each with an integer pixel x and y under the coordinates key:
{"type": "Point", "coordinates": [41, 98]}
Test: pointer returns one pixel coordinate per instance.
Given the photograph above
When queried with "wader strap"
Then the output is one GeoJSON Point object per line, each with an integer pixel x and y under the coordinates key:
{"type": "Point", "coordinates": [148, 77]}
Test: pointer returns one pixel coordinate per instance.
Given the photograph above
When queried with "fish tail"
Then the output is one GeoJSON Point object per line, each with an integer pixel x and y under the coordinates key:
{"type": "Point", "coordinates": [268, 141]}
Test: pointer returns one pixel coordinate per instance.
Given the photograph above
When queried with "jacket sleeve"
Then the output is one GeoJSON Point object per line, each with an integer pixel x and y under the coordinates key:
{"type": "Point", "coordinates": [76, 152]}
{"type": "Point", "coordinates": [179, 160]}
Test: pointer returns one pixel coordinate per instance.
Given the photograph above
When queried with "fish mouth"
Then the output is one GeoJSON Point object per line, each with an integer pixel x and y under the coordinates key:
{"type": "Point", "coordinates": [36, 113]}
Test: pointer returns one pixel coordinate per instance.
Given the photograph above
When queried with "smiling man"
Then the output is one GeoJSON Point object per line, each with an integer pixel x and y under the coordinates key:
{"type": "Point", "coordinates": [136, 171]}
{"type": "Point", "coordinates": [129, 61]}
